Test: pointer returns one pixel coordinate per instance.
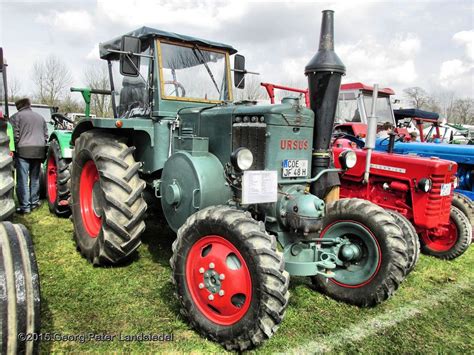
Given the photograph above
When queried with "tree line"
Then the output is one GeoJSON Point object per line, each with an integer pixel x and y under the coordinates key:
{"type": "Point", "coordinates": [52, 80]}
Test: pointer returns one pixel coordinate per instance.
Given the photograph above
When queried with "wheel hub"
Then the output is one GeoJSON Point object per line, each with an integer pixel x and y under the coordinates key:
{"type": "Point", "coordinates": [351, 252]}
{"type": "Point", "coordinates": [212, 281]}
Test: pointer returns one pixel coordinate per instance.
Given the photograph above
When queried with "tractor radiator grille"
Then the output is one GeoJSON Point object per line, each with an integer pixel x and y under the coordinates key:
{"type": "Point", "coordinates": [438, 206]}
{"type": "Point", "coordinates": [253, 137]}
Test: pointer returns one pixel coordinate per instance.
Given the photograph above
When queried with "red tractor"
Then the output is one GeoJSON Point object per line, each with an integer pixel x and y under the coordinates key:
{"type": "Point", "coordinates": [417, 190]}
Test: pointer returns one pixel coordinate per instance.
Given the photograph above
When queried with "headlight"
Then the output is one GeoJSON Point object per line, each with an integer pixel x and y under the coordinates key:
{"type": "Point", "coordinates": [425, 185]}
{"type": "Point", "coordinates": [348, 159]}
{"type": "Point", "coordinates": [242, 159]}
{"type": "Point", "coordinates": [456, 182]}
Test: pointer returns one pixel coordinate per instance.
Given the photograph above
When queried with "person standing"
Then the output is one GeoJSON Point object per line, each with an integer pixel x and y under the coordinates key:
{"type": "Point", "coordinates": [31, 135]}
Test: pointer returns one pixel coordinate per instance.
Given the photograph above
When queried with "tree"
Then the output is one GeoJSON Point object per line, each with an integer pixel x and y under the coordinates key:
{"type": "Point", "coordinates": [253, 90]}
{"type": "Point", "coordinates": [418, 97]}
{"type": "Point", "coordinates": [97, 77]}
{"type": "Point", "coordinates": [51, 78]}
{"type": "Point", "coordinates": [70, 105]}
{"type": "Point", "coordinates": [14, 89]}
{"type": "Point", "coordinates": [464, 111]}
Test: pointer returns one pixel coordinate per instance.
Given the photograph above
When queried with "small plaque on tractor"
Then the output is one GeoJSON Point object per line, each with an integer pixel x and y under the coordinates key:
{"type": "Point", "coordinates": [259, 186]}
{"type": "Point", "coordinates": [445, 190]}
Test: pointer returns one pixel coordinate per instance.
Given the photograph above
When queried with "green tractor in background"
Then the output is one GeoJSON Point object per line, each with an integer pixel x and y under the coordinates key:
{"type": "Point", "coordinates": [250, 190]}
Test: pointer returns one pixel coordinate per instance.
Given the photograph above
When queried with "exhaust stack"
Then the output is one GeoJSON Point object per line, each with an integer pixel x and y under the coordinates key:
{"type": "Point", "coordinates": [324, 72]}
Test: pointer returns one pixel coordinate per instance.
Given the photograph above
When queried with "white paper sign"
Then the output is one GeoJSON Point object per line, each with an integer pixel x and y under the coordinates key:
{"type": "Point", "coordinates": [259, 186]}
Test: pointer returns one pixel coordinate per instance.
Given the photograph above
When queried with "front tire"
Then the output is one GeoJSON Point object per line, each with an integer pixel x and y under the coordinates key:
{"type": "Point", "coordinates": [376, 275]}
{"type": "Point", "coordinates": [19, 291]}
{"type": "Point", "coordinates": [411, 238]}
{"type": "Point", "coordinates": [229, 277]}
{"type": "Point", "coordinates": [108, 208]}
{"type": "Point", "coordinates": [465, 205]}
{"type": "Point", "coordinates": [57, 181]}
{"type": "Point", "coordinates": [450, 241]}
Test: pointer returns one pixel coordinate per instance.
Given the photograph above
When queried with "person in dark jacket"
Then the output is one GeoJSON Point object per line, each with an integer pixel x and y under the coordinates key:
{"type": "Point", "coordinates": [30, 135]}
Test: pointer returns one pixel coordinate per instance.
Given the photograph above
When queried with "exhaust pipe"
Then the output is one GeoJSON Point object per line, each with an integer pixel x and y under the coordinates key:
{"type": "Point", "coordinates": [324, 72]}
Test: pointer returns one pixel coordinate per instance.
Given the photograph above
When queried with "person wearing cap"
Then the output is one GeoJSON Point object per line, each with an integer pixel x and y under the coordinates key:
{"type": "Point", "coordinates": [31, 135]}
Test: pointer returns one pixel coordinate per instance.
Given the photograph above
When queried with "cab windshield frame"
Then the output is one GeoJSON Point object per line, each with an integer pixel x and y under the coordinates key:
{"type": "Point", "coordinates": [201, 48]}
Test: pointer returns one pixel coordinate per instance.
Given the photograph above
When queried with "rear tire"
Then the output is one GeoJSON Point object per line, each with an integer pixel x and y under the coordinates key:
{"type": "Point", "coordinates": [7, 203]}
{"type": "Point", "coordinates": [225, 241]}
{"type": "Point", "coordinates": [465, 205]}
{"type": "Point", "coordinates": [453, 243]}
{"type": "Point", "coordinates": [411, 238]}
{"type": "Point", "coordinates": [108, 208]}
{"type": "Point", "coordinates": [19, 290]}
{"type": "Point", "coordinates": [372, 227]}
{"type": "Point", "coordinates": [57, 181]}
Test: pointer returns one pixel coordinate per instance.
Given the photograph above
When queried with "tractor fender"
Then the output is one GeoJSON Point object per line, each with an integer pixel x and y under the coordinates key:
{"type": "Point", "coordinates": [64, 140]}
{"type": "Point", "coordinates": [189, 183]}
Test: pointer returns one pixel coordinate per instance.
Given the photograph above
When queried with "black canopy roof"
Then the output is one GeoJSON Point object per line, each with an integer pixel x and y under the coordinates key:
{"type": "Point", "coordinates": [147, 34]}
{"type": "Point", "coordinates": [413, 112]}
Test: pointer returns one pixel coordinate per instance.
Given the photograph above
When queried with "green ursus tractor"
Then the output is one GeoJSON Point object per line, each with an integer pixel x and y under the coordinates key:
{"type": "Point", "coordinates": [250, 190]}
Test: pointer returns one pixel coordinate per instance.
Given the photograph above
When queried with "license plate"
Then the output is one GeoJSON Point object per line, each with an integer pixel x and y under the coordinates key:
{"type": "Point", "coordinates": [294, 168]}
{"type": "Point", "coordinates": [445, 190]}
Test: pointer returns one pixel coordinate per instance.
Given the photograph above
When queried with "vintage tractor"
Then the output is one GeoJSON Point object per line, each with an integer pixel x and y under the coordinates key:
{"type": "Point", "coordinates": [394, 181]}
{"type": "Point", "coordinates": [19, 279]}
{"type": "Point", "coordinates": [233, 180]}
{"type": "Point", "coordinates": [353, 117]}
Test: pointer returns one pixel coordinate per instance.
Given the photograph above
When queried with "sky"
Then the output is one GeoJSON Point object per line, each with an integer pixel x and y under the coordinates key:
{"type": "Point", "coordinates": [395, 43]}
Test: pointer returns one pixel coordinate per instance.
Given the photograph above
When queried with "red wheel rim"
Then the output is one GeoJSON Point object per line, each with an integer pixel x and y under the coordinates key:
{"type": "Point", "coordinates": [443, 240]}
{"type": "Point", "coordinates": [51, 179]}
{"type": "Point", "coordinates": [89, 177]}
{"type": "Point", "coordinates": [211, 257]}
{"type": "Point", "coordinates": [373, 241]}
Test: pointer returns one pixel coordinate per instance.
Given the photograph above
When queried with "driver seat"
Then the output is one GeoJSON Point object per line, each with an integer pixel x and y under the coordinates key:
{"type": "Point", "coordinates": [132, 95]}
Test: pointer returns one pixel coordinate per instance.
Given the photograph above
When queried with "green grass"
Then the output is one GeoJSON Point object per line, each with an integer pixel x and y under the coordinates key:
{"type": "Point", "coordinates": [138, 297]}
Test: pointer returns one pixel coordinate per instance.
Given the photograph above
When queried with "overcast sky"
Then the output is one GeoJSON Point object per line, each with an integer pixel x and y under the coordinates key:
{"type": "Point", "coordinates": [394, 43]}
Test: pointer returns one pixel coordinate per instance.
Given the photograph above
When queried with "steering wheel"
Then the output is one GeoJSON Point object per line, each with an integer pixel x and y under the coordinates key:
{"type": "Point", "coordinates": [400, 138]}
{"type": "Point", "coordinates": [177, 86]}
{"type": "Point", "coordinates": [59, 119]}
{"type": "Point", "coordinates": [360, 143]}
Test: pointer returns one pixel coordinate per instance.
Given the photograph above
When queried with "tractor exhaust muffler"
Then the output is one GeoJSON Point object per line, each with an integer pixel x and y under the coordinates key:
{"type": "Point", "coordinates": [324, 72]}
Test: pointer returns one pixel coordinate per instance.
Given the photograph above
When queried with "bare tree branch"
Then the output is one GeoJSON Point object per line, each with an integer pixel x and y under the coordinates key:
{"type": "Point", "coordinates": [52, 78]}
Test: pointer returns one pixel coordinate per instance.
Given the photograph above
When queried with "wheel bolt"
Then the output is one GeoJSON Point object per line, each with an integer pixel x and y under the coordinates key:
{"type": "Point", "coordinates": [211, 297]}
{"type": "Point", "coordinates": [212, 266]}
{"type": "Point", "coordinates": [221, 293]}
{"type": "Point", "coordinates": [201, 285]}
{"type": "Point", "coordinates": [201, 270]}
{"type": "Point", "coordinates": [221, 277]}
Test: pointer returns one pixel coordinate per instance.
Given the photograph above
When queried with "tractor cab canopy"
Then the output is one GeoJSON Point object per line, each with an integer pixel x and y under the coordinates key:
{"type": "Point", "coordinates": [416, 114]}
{"type": "Point", "coordinates": [355, 100]}
{"type": "Point", "coordinates": [148, 34]}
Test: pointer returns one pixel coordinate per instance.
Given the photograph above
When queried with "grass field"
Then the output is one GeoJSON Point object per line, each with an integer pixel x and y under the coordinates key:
{"type": "Point", "coordinates": [432, 312]}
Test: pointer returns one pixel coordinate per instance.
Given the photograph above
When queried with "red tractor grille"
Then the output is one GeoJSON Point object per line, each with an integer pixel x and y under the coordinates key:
{"type": "Point", "coordinates": [438, 206]}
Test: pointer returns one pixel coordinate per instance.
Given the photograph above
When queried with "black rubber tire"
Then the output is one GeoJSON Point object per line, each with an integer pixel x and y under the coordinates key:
{"type": "Point", "coordinates": [63, 191]}
{"type": "Point", "coordinates": [464, 230]}
{"type": "Point", "coordinates": [266, 266]}
{"type": "Point", "coordinates": [42, 191]}
{"type": "Point", "coordinates": [122, 206]}
{"type": "Point", "coordinates": [411, 238]}
{"type": "Point", "coordinates": [19, 290]}
{"type": "Point", "coordinates": [392, 245]}
{"type": "Point", "coordinates": [7, 203]}
{"type": "Point", "coordinates": [465, 205]}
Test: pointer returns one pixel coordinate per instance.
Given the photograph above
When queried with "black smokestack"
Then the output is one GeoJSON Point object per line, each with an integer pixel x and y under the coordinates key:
{"type": "Point", "coordinates": [324, 73]}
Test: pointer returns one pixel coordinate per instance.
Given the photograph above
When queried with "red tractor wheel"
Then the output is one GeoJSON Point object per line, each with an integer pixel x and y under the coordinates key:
{"type": "Point", "coordinates": [381, 257]}
{"type": "Point", "coordinates": [229, 277]}
{"type": "Point", "coordinates": [57, 181]}
{"type": "Point", "coordinates": [107, 204]}
{"type": "Point", "coordinates": [449, 241]}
